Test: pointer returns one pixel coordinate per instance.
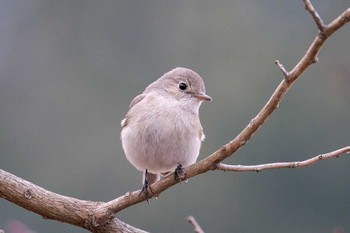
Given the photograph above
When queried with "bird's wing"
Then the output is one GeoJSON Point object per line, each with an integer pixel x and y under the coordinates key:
{"type": "Point", "coordinates": [135, 101]}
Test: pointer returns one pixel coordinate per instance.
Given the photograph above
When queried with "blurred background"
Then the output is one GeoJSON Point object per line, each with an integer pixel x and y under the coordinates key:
{"type": "Point", "coordinates": [69, 70]}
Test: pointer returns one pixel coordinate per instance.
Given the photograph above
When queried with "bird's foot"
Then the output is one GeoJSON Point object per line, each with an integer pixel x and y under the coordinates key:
{"type": "Point", "coordinates": [146, 188]}
{"type": "Point", "coordinates": [179, 173]}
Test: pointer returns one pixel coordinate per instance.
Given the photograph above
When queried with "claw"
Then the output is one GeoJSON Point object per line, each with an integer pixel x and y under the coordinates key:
{"type": "Point", "coordinates": [146, 186]}
{"type": "Point", "coordinates": [179, 173]}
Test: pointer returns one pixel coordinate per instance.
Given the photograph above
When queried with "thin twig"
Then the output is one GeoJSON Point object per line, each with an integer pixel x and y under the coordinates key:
{"type": "Point", "coordinates": [283, 70]}
{"type": "Point", "coordinates": [310, 56]}
{"type": "Point", "coordinates": [319, 22]}
{"type": "Point", "coordinates": [296, 164]}
{"type": "Point", "coordinates": [196, 227]}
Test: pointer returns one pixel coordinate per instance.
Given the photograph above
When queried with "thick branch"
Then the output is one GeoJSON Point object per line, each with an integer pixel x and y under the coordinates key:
{"type": "Point", "coordinates": [297, 164]}
{"type": "Point", "coordinates": [48, 204]}
{"type": "Point", "coordinates": [53, 206]}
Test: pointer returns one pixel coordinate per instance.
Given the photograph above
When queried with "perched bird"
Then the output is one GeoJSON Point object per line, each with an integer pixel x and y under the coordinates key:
{"type": "Point", "coordinates": [161, 131]}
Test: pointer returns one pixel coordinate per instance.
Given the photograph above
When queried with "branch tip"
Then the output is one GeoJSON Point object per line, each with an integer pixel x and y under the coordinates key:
{"type": "Point", "coordinates": [283, 70]}
{"type": "Point", "coordinates": [279, 165]}
{"type": "Point", "coordinates": [315, 16]}
{"type": "Point", "coordinates": [196, 227]}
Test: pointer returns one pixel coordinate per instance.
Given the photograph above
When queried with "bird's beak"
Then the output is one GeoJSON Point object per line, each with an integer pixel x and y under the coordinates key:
{"type": "Point", "coordinates": [202, 96]}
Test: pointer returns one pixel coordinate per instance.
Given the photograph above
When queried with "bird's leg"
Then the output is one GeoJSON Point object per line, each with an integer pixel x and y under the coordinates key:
{"type": "Point", "coordinates": [179, 173]}
{"type": "Point", "coordinates": [146, 186]}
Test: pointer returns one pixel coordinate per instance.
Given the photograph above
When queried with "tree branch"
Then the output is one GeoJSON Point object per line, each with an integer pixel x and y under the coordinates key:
{"type": "Point", "coordinates": [296, 164]}
{"type": "Point", "coordinates": [51, 205]}
{"type": "Point", "coordinates": [282, 69]}
{"type": "Point", "coordinates": [210, 162]}
{"type": "Point", "coordinates": [319, 22]}
{"type": "Point", "coordinates": [99, 216]}
{"type": "Point", "coordinates": [196, 227]}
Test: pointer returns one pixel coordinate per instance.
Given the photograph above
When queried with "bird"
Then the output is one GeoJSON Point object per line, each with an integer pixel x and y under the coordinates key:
{"type": "Point", "coordinates": [162, 132]}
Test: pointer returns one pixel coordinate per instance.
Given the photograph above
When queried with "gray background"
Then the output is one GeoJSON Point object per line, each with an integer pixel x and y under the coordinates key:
{"type": "Point", "coordinates": [69, 69]}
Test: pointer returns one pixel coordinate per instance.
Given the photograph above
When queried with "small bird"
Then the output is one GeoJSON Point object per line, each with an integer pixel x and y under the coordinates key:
{"type": "Point", "coordinates": [161, 131]}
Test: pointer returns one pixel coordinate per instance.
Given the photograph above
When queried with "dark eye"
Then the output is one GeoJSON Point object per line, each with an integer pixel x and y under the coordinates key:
{"type": "Point", "coordinates": [182, 86]}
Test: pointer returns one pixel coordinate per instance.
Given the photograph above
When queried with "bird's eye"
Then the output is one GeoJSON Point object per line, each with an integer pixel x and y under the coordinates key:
{"type": "Point", "coordinates": [182, 86]}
